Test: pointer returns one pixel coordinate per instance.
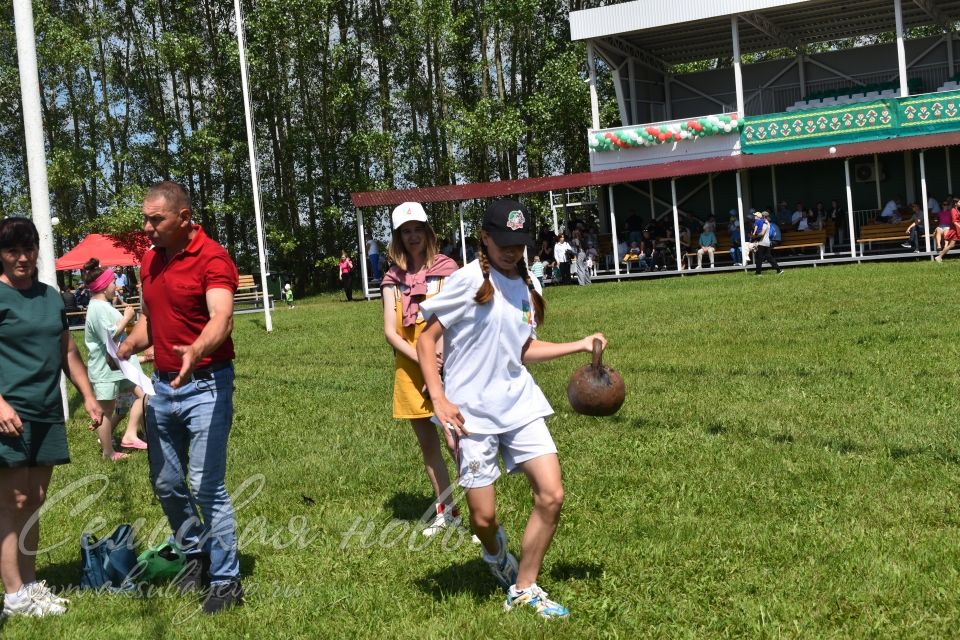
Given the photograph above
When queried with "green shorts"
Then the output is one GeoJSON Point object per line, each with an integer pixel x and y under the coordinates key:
{"type": "Point", "coordinates": [42, 444]}
{"type": "Point", "coordinates": [111, 390]}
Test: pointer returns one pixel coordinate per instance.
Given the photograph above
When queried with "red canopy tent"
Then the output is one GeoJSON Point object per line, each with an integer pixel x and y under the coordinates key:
{"type": "Point", "coordinates": [111, 251]}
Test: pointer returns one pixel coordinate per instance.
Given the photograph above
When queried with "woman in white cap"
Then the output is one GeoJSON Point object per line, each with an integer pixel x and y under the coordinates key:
{"type": "Point", "coordinates": [417, 272]}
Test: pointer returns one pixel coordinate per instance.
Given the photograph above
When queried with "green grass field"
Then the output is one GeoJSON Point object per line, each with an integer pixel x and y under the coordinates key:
{"type": "Point", "coordinates": [786, 465]}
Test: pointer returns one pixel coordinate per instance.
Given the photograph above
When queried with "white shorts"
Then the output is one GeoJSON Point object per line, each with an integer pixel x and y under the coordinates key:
{"type": "Point", "coordinates": [477, 453]}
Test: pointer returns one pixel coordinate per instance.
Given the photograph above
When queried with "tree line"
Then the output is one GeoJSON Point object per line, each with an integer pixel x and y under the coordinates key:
{"type": "Point", "coordinates": [353, 95]}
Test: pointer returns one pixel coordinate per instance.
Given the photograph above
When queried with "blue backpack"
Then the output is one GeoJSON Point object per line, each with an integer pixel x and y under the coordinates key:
{"type": "Point", "coordinates": [108, 563]}
{"type": "Point", "coordinates": [775, 235]}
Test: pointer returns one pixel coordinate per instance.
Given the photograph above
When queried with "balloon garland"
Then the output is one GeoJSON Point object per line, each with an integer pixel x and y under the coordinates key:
{"type": "Point", "coordinates": [650, 136]}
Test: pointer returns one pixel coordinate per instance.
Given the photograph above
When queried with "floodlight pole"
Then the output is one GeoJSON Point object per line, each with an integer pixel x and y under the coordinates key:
{"type": "Point", "coordinates": [36, 154]}
{"type": "Point", "coordinates": [254, 177]}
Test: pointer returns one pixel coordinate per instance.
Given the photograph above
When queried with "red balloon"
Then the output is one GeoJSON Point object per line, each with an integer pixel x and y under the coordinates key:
{"type": "Point", "coordinates": [677, 136]}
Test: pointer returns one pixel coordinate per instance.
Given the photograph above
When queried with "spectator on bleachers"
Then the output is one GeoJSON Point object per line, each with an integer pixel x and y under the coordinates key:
{"type": "Point", "coordinates": [838, 216]}
{"type": "Point", "coordinates": [82, 295]}
{"type": "Point", "coordinates": [650, 258]}
{"type": "Point", "coordinates": [799, 213]}
{"type": "Point", "coordinates": [951, 235]}
{"type": "Point", "coordinates": [783, 214]}
{"type": "Point", "coordinates": [804, 223]}
{"type": "Point", "coordinates": [733, 229]}
{"type": "Point", "coordinates": [634, 227]}
{"type": "Point", "coordinates": [562, 252]}
{"type": "Point", "coordinates": [933, 204]}
{"type": "Point", "coordinates": [632, 256]}
{"type": "Point", "coordinates": [593, 236]}
{"type": "Point", "coordinates": [547, 235]}
{"type": "Point", "coordinates": [708, 245]}
{"type": "Point", "coordinates": [668, 246]}
{"type": "Point", "coordinates": [915, 228]}
{"type": "Point", "coordinates": [889, 211]}
{"type": "Point", "coordinates": [943, 223]}
{"type": "Point", "coordinates": [593, 258]}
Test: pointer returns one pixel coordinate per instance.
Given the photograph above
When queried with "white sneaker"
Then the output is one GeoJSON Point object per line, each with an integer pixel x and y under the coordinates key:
{"type": "Point", "coordinates": [535, 597]}
{"type": "Point", "coordinates": [31, 607]}
{"type": "Point", "coordinates": [441, 522]}
{"type": "Point", "coordinates": [697, 268]}
{"type": "Point", "coordinates": [40, 590]}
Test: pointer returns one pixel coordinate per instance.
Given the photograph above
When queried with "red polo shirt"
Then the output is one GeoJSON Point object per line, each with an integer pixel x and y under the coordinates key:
{"type": "Point", "coordinates": [174, 290]}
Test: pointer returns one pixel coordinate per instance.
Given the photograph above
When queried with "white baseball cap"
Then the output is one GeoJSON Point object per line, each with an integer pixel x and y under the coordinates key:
{"type": "Point", "coordinates": [408, 211]}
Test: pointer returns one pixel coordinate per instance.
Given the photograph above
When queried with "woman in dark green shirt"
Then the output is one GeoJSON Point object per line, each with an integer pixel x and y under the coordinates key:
{"type": "Point", "coordinates": [35, 346]}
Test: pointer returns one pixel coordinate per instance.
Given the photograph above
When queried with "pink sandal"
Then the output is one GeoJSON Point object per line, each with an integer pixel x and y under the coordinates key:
{"type": "Point", "coordinates": [136, 444]}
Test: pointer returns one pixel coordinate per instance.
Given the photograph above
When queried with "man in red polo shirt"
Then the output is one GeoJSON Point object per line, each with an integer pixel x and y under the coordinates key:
{"type": "Point", "coordinates": [188, 281]}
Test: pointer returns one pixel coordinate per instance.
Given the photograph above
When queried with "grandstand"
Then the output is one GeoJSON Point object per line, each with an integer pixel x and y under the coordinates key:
{"type": "Point", "coordinates": [824, 115]}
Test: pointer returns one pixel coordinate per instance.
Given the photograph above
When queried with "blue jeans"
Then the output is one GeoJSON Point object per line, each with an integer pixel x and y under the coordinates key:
{"type": "Point", "coordinates": [375, 266]}
{"type": "Point", "coordinates": [187, 433]}
{"type": "Point", "coordinates": [736, 254]}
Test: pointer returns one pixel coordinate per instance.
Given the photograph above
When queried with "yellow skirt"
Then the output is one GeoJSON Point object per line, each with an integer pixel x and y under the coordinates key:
{"type": "Point", "coordinates": [408, 398]}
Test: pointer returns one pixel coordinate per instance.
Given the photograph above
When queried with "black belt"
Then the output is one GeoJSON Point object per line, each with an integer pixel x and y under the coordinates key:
{"type": "Point", "coordinates": [205, 373]}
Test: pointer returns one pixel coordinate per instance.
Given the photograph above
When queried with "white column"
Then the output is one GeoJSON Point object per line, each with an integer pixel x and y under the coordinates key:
{"type": "Point", "coordinates": [925, 205]}
{"type": "Point", "coordinates": [613, 232]}
{"type": "Point", "coordinates": [852, 232]}
{"type": "Point", "coordinates": [594, 101]}
{"type": "Point", "coordinates": [463, 237]}
{"type": "Point", "coordinates": [36, 154]}
{"type": "Point", "coordinates": [773, 183]}
{"type": "Point", "coordinates": [876, 179]}
{"type": "Point", "coordinates": [713, 203]}
{"type": "Point", "coordinates": [743, 222]}
{"type": "Point", "coordinates": [254, 177]}
{"type": "Point", "coordinates": [632, 79]}
{"type": "Point", "coordinates": [653, 205]}
{"type": "Point", "coordinates": [676, 222]}
{"type": "Point", "coordinates": [737, 75]}
{"type": "Point", "coordinates": [363, 253]}
{"type": "Point", "coordinates": [553, 210]}
{"type": "Point", "coordinates": [901, 55]}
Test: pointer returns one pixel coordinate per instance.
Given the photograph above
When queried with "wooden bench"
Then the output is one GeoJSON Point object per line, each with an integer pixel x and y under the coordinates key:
{"type": "Point", "coordinates": [803, 240]}
{"type": "Point", "coordinates": [249, 293]}
{"type": "Point", "coordinates": [870, 233]}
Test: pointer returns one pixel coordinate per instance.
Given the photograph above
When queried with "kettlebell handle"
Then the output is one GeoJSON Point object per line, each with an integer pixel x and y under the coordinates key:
{"type": "Point", "coordinates": [597, 353]}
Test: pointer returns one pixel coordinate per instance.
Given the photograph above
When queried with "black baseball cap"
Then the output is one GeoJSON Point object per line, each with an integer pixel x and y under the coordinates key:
{"type": "Point", "coordinates": [508, 223]}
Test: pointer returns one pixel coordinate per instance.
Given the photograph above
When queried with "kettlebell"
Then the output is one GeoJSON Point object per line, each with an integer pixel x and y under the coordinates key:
{"type": "Point", "coordinates": [596, 389]}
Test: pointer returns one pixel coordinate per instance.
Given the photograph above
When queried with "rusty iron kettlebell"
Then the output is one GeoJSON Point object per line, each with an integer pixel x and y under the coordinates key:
{"type": "Point", "coordinates": [596, 389]}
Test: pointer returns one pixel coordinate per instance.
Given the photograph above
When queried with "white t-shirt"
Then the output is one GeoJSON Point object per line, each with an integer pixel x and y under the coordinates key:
{"type": "Point", "coordinates": [889, 209]}
{"type": "Point", "coordinates": [797, 217]}
{"type": "Point", "coordinates": [483, 372]}
{"type": "Point", "coordinates": [373, 249]}
{"type": "Point", "coordinates": [560, 251]}
{"type": "Point", "coordinates": [933, 205]}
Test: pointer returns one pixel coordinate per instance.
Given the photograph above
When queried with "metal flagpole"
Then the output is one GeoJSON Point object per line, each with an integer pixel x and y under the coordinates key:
{"type": "Point", "coordinates": [744, 254]}
{"type": "Point", "coordinates": [926, 202]}
{"type": "Point", "coordinates": [254, 177]}
{"type": "Point", "coordinates": [613, 233]}
{"type": "Point", "coordinates": [363, 253]}
{"type": "Point", "coordinates": [36, 155]}
{"type": "Point", "coordinates": [676, 223]}
{"type": "Point", "coordinates": [463, 237]}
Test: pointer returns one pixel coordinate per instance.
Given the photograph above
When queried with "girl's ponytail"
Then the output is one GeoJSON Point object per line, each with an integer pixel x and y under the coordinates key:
{"type": "Point", "coordinates": [485, 292]}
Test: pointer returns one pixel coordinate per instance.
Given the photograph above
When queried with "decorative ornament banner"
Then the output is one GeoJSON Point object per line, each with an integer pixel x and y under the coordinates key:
{"type": "Point", "coordinates": [857, 122]}
{"type": "Point", "coordinates": [652, 135]}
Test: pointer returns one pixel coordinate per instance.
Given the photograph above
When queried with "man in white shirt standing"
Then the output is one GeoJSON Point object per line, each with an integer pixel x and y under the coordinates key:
{"type": "Point", "coordinates": [560, 250]}
{"type": "Point", "coordinates": [373, 252]}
